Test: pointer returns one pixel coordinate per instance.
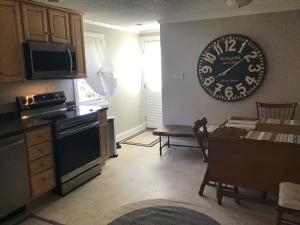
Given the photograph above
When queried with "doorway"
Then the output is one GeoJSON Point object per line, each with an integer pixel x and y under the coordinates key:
{"type": "Point", "coordinates": [153, 84]}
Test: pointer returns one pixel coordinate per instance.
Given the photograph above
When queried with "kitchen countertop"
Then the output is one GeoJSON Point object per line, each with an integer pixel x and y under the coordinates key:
{"type": "Point", "coordinates": [13, 125]}
{"type": "Point", "coordinates": [16, 126]}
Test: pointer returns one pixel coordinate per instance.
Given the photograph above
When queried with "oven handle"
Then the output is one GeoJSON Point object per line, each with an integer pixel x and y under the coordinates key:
{"type": "Point", "coordinates": [71, 60]}
{"type": "Point", "coordinates": [69, 132]}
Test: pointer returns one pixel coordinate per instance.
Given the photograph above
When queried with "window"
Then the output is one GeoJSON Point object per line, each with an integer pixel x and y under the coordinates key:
{"type": "Point", "coordinates": [85, 92]}
{"type": "Point", "coordinates": [85, 95]}
{"type": "Point", "coordinates": [90, 91]}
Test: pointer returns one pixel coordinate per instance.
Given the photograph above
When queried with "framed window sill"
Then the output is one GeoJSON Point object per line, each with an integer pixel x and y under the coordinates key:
{"type": "Point", "coordinates": [95, 102]}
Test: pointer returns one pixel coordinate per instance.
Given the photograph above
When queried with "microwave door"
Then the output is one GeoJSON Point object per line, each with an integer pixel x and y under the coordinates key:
{"type": "Point", "coordinates": [50, 61]}
{"type": "Point", "coordinates": [49, 64]}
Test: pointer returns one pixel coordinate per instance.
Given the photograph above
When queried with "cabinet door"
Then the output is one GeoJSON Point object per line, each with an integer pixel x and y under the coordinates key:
{"type": "Point", "coordinates": [103, 142]}
{"type": "Point", "coordinates": [35, 22]}
{"type": "Point", "coordinates": [11, 50]}
{"type": "Point", "coordinates": [59, 26]}
{"type": "Point", "coordinates": [78, 42]}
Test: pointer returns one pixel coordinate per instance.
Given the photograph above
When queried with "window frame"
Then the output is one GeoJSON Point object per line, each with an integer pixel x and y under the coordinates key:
{"type": "Point", "coordinates": [93, 101]}
{"type": "Point", "coordinates": [102, 100]}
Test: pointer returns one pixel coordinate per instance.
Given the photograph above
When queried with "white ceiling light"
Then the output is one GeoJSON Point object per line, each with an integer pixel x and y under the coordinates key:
{"type": "Point", "coordinates": [238, 3]}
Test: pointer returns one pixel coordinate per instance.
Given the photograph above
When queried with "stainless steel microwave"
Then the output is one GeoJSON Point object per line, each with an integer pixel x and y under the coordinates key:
{"type": "Point", "coordinates": [50, 61]}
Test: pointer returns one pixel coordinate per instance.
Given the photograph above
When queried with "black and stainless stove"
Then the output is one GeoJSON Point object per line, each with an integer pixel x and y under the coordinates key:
{"type": "Point", "coordinates": [75, 134]}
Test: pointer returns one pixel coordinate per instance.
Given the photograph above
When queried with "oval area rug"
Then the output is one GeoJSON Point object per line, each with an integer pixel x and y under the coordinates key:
{"type": "Point", "coordinates": [164, 215]}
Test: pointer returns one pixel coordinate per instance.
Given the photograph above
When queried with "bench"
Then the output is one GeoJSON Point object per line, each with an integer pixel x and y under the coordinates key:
{"type": "Point", "coordinates": [176, 131]}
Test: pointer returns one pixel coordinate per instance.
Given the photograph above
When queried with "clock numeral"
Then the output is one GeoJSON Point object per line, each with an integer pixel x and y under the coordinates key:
{"type": "Point", "coordinates": [241, 89]}
{"type": "Point", "coordinates": [255, 68]}
{"type": "Point", "coordinates": [209, 57]}
{"type": "Point", "coordinates": [250, 80]}
{"type": "Point", "coordinates": [252, 55]}
{"type": "Point", "coordinates": [229, 92]}
{"type": "Point", "coordinates": [208, 81]}
{"type": "Point", "coordinates": [229, 45]}
{"type": "Point", "coordinates": [218, 49]}
{"type": "Point", "coordinates": [205, 69]}
{"type": "Point", "coordinates": [242, 47]}
{"type": "Point", "coordinates": [218, 88]}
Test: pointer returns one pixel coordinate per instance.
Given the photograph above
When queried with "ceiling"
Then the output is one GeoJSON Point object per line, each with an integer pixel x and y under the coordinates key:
{"type": "Point", "coordinates": [128, 13]}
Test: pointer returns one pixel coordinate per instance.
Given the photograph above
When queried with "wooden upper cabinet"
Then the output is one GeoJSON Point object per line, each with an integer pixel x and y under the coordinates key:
{"type": "Point", "coordinates": [35, 22]}
{"type": "Point", "coordinates": [59, 26]}
{"type": "Point", "coordinates": [11, 50]}
{"type": "Point", "coordinates": [78, 41]}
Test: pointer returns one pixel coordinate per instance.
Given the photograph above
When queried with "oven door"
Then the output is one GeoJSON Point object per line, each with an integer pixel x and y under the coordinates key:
{"type": "Point", "coordinates": [77, 149]}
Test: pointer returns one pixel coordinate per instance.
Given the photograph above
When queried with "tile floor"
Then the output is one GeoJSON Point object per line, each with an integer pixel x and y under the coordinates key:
{"type": "Point", "coordinates": [139, 173]}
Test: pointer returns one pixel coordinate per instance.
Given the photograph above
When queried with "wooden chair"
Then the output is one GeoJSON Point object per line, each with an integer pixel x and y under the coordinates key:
{"type": "Point", "coordinates": [284, 111]}
{"type": "Point", "coordinates": [288, 203]}
{"type": "Point", "coordinates": [201, 134]}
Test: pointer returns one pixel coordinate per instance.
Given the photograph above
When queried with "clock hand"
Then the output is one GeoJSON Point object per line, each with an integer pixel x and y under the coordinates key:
{"type": "Point", "coordinates": [230, 68]}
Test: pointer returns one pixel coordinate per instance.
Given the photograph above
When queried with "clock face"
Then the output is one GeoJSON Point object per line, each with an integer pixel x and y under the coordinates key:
{"type": "Point", "coordinates": [231, 67]}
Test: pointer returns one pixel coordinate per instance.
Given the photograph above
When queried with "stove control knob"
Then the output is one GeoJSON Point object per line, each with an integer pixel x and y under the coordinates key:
{"type": "Point", "coordinates": [30, 100]}
{"type": "Point", "coordinates": [24, 101]}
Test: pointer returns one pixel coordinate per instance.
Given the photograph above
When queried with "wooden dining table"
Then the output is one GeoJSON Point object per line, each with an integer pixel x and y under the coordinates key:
{"type": "Point", "coordinates": [249, 163]}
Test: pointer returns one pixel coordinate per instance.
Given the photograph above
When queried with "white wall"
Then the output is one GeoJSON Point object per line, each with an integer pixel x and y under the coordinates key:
{"type": "Point", "coordinates": [127, 104]}
{"type": "Point", "coordinates": [184, 101]}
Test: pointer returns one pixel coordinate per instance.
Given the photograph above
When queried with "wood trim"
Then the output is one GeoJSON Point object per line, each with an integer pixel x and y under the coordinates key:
{"type": "Point", "coordinates": [53, 33]}
{"type": "Point", "coordinates": [44, 35]}
{"type": "Point", "coordinates": [279, 111]}
{"type": "Point", "coordinates": [7, 77]}
{"type": "Point", "coordinates": [103, 131]}
{"type": "Point", "coordinates": [41, 165]}
{"type": "Point", "coordinates": [38, 136]}
{"type": "Point", "coordinates": [42, 183]}
{"type": "Point", "coordinates": [39, 151]}
{"type": "Point", "coordinates": [103, 116]}
{"type": "Point", "coordinates": [77, 39]}
{"type": "Point", "coordinates": [40, 161]}
{"type": "Point", "coordinates": [104, 154]}
{"type": "Point", "coordinates": [51, 6]}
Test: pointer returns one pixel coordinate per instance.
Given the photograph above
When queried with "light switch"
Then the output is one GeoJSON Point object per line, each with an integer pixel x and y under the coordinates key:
{"type": "Point", "coordinates": [179, 76]}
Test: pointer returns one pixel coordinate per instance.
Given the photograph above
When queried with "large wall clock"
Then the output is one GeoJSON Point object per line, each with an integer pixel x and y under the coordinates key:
{"type": "Point", "coordinates": [231, 67]}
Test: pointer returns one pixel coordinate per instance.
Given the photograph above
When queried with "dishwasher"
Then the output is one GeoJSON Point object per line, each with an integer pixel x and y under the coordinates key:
{"type": "Point", "coordinates": [14, 188]}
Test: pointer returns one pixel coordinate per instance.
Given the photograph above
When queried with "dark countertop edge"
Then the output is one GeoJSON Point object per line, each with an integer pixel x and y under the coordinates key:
{"type": "Point", "coordinates": [26, 125]}
{"type": "Point", "coordinates": [23, 128]}
{"type": "Point", "coordinates": [103, 109]}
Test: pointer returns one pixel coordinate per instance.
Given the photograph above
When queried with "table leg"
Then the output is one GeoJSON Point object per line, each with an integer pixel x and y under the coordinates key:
{"type": "Point", "coordinates": [168, 141]}
{"type": "Point", "coordinates": [263, 194]}
{"type": "Point", "coordinates": [219, 193]}
{"type": "Point", "coordinates": [236, 191]}
{"type": "Point", "coordinates": [204, 182]}
{"type": "Point", "coordinates": [160, 146]}
{"type": "Point", "coordinates": [279, 216]}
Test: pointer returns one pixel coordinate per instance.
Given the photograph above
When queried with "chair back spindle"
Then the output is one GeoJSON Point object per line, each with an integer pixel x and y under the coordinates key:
{"type": "Point", "coordinates": [284, 111]}
{"type": "Point", "coordinates": [201, 134]}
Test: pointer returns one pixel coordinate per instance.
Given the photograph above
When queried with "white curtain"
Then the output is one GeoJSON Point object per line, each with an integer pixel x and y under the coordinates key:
{"type": "Point", "coordinates": [99, 67]}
